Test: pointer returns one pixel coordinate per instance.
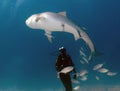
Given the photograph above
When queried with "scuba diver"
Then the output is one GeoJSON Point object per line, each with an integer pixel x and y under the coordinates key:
{"type": "Point", "coordinates": [64, 61]}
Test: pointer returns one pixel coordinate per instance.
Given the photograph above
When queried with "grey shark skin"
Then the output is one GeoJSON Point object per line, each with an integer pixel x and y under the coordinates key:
{"type": "Point", "coordinates": [58, 22]}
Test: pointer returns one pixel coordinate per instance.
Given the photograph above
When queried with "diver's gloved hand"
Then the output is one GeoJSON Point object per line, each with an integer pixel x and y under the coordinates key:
{"type": "Point", "coordinates": [75, 76]}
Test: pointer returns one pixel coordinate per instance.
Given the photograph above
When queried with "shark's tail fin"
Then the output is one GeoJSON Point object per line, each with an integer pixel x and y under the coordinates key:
{"type": "Point", "coordinates": [98, 53]}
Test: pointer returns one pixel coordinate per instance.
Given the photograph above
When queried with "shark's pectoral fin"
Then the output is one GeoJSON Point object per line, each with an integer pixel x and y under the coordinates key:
{"type": "Point", "coordinates": [49, 36]}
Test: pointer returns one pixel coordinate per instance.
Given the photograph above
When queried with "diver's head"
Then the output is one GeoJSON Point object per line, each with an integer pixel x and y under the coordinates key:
{"type": "Point", "coordinates": [62, 50]}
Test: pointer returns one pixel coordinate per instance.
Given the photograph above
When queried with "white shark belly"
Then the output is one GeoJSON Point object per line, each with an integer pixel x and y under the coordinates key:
{"type": "Point", "coordinates": [53, 26]}
{"type": "Point", "coordinates": [57, 25]}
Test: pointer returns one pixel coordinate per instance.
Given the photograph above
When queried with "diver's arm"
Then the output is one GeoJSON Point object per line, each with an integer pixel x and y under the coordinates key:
{"type": "Point", "coordinates": [57, 65]}
{"type": "Point", "coordinates": [74, 70]}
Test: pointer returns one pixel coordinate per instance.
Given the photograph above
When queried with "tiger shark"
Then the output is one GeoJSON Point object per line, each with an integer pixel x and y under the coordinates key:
{"type": "Point", "coordinates": [58, 22]}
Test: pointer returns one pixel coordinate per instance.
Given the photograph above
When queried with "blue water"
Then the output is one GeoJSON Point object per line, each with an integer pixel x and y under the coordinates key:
{"type": "Point", "coordinates": [26, 61]}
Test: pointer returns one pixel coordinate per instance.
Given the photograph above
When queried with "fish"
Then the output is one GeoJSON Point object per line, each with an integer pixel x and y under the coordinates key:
{"type": "Point", "coordinates": [76, 88]}
{"type": "Point", "coordinates": [84, 78]}
{"type": "Point", "coordinates": [58, 22]}
{"type": "Point", "coordinates": [97, 78]}
{"type": "Point", "coordinates": [103, 70]}
{"type": "Point", "coordinates": [98, 66]}
{"type": "Point", "coordinates": [83, 73]}
{"type": "Point", "coordinates": [82, 53]}
{"type": "Point", "coordinates": [111, 73]}
{"type": "Point", "coordinates": [85, 60]}
{"type": "Point", "coordinates": [75, 81]}
{"type": "Point", "coordinates": [82, 62]}
{"type": "Point", "coordinates": [67, 69]}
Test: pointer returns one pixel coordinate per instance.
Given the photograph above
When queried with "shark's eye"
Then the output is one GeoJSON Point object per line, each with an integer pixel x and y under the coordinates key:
{"type": "Point", "coordinates": [39, 18]}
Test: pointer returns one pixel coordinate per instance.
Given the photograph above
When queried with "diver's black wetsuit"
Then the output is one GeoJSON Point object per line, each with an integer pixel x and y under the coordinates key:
{"type": "Point", "coordinates": [63, 61]}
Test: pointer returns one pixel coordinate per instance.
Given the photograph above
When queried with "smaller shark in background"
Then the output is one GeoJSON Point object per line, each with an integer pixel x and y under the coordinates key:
{"type": "Point", "coordinates": [58, 22]}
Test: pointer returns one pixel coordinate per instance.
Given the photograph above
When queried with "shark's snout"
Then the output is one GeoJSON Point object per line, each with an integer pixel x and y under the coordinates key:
{"type": "Point", "coordinates": [27, 22]}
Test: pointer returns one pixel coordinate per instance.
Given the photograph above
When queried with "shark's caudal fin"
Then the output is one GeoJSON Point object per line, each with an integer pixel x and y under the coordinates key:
{"type": "Point", "coordinates": [98, 53]}
{"type": "Point", "coordinates": [95, 54]}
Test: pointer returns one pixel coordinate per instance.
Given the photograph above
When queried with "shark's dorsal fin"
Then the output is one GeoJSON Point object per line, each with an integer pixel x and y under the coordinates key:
{"type": "Point", "coordinates": [62, 13]}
